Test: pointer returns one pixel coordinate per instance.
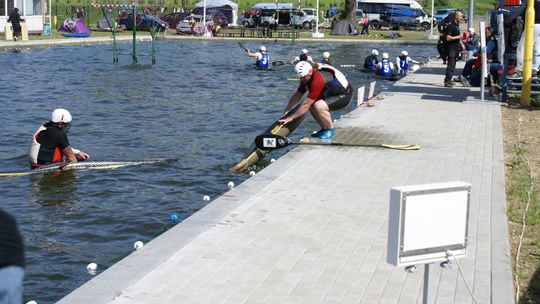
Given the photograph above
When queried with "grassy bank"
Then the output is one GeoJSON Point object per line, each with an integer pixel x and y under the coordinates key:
{"type": "Point", "coordinates": [522, 157]}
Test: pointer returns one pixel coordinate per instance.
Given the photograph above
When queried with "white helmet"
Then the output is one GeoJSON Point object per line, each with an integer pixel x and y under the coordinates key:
{"type": "Point", "coordinates": [404, 53]}
{"type": "Point", "coordinates": [61, 115]}
{"type": "Point", "coordinates": [262, 48]}
{"type": "Point", "coordinates": [302, 69]}
{"type": "Point", "coordinates": [384, 55]}
{"type": "Point", "coordinates": [375, 52]}
{"type": "Point", "coordinates": [326, 55]}
{"type": "Point", "coordinates": [304, 51]}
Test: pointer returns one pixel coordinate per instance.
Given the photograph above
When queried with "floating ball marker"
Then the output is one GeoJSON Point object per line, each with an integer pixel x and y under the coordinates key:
{"type": "Point", "coordinates": [252, 173]}
{"type": "Point", "coordinates": [31, 302]}
{"type": "Point", "coordinates": [174, 218]}
{"type": "Point", "coordinates": [91, 267]}
{"type": "Point", "coordinates": [206, 198]}
{"type": "Point", "coordinates": [138, 245]}
{"type": "Point", "coordinates": [230, 185]}
{"type": "Point", "coordinates": [273, 160]}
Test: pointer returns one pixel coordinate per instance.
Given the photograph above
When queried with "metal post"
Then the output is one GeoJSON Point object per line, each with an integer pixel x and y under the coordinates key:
{"type": "Point", "coordinates": [432, 19]}
{"type": "Point", "coordinates": [527, 54]}
{"type": "Point", "coordinates": [470, 14]}
{"type": "Point", "coordinates": [427, 286]}
{"type": "Point", "coordinates": [484, 59]}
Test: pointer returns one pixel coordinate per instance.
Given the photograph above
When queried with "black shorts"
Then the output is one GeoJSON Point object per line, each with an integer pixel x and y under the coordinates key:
{"type": "Point", "coordinates": [339, 102]}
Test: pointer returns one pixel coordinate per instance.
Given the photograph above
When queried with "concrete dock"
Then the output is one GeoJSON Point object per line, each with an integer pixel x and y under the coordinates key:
{"type": "Point", "coordinates": [313, 226]}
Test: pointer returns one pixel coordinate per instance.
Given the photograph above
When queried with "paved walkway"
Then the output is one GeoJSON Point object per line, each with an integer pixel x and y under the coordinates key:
{"type": "Point", "coordinates": [312, 227]}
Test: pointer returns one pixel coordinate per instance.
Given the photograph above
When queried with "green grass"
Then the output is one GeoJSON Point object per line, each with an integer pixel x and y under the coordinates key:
{"type": "Point", "coordinates": [518, 186]}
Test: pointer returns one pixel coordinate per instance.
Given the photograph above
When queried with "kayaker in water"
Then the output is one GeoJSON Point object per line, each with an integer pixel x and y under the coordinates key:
{"type": "Point", "coordinates": [326, 58]}
{"type": "Point", "coordinates": [262, 57]}
{"type": "Point", "coordinates": [385, 68]}
{"type": "Point", "coordinates": [304, 56]}
{"type": "Point", "coordinates": [50, 142]}
{"type": "Point", "coordinates": [329, 90]}
{"type": "Point", "coordinates": [403, 63]}
{"type": "Point", "coordinates": [371, 61]}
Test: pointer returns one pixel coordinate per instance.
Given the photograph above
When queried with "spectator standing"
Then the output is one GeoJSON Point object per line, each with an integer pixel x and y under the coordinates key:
{"type": "Point", "coordinates": [12, 260]}
{"type": "Point", "coordinates": [453, 38]}
{"type": "Point", "coordinates": [15, 20]}
{"type": "Point", "coordinates": [365, 25]}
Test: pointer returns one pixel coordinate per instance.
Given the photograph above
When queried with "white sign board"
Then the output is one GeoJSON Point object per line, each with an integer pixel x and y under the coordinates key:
{"type": "Point", "coordinates": [426, 222]}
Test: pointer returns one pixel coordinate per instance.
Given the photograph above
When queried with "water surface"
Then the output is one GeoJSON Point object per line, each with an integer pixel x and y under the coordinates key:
{"type": "Point", "coordinates": [202, 103]}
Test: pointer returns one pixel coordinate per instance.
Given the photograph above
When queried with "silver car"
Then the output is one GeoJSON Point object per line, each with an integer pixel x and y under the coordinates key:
{"type": "Point", "coordinates": [183, 26]}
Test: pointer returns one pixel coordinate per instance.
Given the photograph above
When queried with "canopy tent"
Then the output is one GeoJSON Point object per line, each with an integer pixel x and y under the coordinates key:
{"type": "Point", "coordinates": [228, 8]}
{"type": "Point", "coordinates": [344, 27]}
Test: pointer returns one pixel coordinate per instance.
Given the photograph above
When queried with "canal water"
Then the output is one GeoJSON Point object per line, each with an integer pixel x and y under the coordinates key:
{"type": "Point", "coordinates": [202, 103]}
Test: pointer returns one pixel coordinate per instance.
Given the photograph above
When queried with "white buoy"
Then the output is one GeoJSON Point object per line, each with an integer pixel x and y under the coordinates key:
{"type": "Point", "coordinates": [91, 267]}
{"type": "Point", "coordinates": [31, 302]}
{"type": "Point", "coordinates": [230, 185]}
{"type": "Point", "coordinates": [206, 198]}
{"type": "Point", "coordinates": [273, 160]}
{"type": "Point", "coordinates": [252, 173]}
{"type": "Point", "coordinates": [138, 245]}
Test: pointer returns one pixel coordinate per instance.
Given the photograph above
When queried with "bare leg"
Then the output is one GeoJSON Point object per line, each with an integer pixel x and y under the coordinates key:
{"type": "Point", "coordinates": [319, 110]}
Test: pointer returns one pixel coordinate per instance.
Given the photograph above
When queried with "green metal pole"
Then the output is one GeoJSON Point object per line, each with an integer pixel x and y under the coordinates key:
{"type": "Point", "coordinates": [134, 42]}
{"type": "Point", "coordinates": [153, 34]}
{"type": "Point", "coordinates": [113, 31]}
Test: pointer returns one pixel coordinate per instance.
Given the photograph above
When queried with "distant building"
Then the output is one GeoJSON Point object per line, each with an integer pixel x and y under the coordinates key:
{"type": "Point", "coordinates": [34, 12]}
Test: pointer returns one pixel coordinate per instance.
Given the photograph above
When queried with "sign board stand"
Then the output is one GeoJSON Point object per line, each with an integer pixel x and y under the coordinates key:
{"type": "Point", "coordinates": [427, 224]}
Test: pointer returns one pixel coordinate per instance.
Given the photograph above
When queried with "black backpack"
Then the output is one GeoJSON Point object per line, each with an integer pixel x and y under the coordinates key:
{"type": "Point", "coordinates": [443, 25]}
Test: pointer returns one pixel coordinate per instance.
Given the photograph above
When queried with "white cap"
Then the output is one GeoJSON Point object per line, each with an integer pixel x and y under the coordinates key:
{"type": "Point", "coordinates": [471, 30]}
{"type": "Point", "coordinates": [262, 48]}
{"type": "Point", "coordinates": [385, 55]}
{"type": "Point", "coordinates": [302, 69]}
{"type": "Point", "coordinates": [375, 52]}
{"type": "Point", "coordinates": [304, 51]}
{"type": "Point", "coordinates": [61, 115]}
{"type": "Point", "coordinates": [326, 55]}
{"type": "Point", "coordinates": [404, 53]}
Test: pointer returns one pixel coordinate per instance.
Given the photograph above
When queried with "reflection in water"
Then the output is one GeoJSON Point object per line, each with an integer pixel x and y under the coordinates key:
{"type": "Point", "coordinates": [54, 188]}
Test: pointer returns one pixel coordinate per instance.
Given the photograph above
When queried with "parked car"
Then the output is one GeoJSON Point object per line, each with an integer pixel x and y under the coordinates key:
{"type": "Point", "coordinates": [183, 26]}
{"type": "Point", "coordinates": [144, 22]}
{"type": "Point", "coordinates": [174, 18]}
{"type": "Point", "coordinates": [218, 16]}
{"type": "Point", "coordinates": [441, 13]}
{"type": "Point", "coordinates": [303, 19]}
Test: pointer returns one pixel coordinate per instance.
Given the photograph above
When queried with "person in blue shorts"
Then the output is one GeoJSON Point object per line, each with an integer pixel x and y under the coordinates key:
{"type": "Point", "coordinates": [328, 90]}
{"type": "Point", "coordinates": [261, 56]}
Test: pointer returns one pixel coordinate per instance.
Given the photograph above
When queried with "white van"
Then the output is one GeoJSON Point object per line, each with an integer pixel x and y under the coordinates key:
{"type": "Point", "coordinates": [373, 9]}
{"type": "Point", "coordinates": [280, 14]}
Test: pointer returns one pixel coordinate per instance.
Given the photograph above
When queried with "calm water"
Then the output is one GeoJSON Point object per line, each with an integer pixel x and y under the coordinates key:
{"type": "Point", "coordinates": [201, 103]}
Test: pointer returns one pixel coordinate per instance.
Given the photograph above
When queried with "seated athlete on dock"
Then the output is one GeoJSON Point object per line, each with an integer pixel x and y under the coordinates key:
{"type": "Point", "coordinates": [50, 142]}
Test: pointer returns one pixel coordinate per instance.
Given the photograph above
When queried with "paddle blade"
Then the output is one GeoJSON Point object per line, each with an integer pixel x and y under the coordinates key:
{"type": "Point", "coordinates": [401, 147]}
{"type": "Point", "coordinates": [271, 142]}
